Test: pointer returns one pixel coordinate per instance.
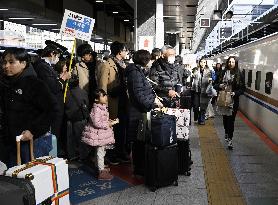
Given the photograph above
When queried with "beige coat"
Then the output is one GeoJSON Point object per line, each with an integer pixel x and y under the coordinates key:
{"type": "Point", "coordinates": [83, 73]}
{"type": "Point", "coordinates": [108, 79]}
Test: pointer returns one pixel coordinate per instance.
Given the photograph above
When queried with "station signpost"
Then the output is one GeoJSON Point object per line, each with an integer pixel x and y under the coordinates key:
{"type": "Point", "coordinates": [78, 26]}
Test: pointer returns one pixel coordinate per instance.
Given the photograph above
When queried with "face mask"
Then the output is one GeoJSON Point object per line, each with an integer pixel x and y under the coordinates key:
{"type": "Point", "coordinates": [171, 59]}
{"type": "Point", "coordinates": [53, 62]}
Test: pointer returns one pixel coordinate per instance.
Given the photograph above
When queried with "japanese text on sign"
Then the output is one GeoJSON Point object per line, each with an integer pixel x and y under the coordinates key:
{"type": "Point", "coordinates": [77, 25]}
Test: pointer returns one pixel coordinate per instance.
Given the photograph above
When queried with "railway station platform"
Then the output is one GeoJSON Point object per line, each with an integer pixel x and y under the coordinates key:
{"type": "Point", "coordinates": [248, 174]}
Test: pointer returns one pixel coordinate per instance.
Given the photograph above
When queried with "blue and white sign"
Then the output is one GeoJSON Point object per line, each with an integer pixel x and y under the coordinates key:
{"type": "Point", "coordinates": [77, 25]}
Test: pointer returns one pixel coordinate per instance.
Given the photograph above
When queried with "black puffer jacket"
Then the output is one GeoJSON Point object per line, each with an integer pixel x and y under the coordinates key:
{"type": "Point", "coordinates": [27, 104]}
{"type": "Point", "coordinates": [140, 92]}
{"type": "Point", "coordinates": [77, 104]}
{"type": "Point", "coordinates": [56, 85]}
{"type": "Point", "coordinates": [141, 99]}
{"type": "Point", "coordinates": [165, 75]}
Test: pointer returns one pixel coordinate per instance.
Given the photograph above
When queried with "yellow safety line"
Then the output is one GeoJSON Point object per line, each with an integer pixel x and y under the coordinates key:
{"type": "Point", "coordinates": [221, 184]}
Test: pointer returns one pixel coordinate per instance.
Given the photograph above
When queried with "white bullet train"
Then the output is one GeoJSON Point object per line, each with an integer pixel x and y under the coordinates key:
{"type": "Point", "coordinates": [258, 61]}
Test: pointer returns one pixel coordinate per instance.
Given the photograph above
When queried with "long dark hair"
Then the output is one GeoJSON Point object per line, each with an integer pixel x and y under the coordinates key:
{"type": "Point", "coordinates": [206, 66]}
{"type": "Point", "coordinates": [237, 71]}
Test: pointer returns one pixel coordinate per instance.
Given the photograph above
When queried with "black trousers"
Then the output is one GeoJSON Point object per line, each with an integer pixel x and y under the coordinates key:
{"type": "Point", "coordinates": [229, 123]}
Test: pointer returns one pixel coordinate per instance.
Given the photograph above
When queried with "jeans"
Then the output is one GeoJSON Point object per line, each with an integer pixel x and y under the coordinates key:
{"type": "Point", "coordinates": [43, 145]}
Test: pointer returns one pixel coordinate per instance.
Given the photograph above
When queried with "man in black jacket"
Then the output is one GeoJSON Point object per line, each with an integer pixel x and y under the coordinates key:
{"type": "Point", "coordinates": [43, 67]}
{"type": "Point", "coordinates": [165, 73]}
{"type": "Point", "coordinates": [26, 103]}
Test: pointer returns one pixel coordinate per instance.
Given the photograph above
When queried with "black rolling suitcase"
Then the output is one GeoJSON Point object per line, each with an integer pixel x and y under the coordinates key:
{"type": "Point", "coordinates": [184, 157]}
{"type": "Point", "coordinates": [161, 166]}
{"type": "Point", "coordinates": [163, 130]}
{"type": "Point", "coordinates": [14, 191]}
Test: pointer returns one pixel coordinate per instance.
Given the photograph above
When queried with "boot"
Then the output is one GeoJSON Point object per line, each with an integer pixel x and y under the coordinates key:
{"type": "Point", "coordinates": [104, 175]}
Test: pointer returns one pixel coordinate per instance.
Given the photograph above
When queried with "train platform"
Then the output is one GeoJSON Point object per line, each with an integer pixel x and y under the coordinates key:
{"type": "Point", "coordinates": [246, 175]}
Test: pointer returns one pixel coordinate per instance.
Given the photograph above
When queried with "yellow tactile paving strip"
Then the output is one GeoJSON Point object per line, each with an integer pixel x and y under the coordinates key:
{"type": "Point", "coordinates": [222, 186]}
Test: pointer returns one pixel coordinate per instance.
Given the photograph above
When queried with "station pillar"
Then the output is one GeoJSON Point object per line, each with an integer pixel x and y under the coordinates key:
{"type": "Point", "coordinates": [149, 26]}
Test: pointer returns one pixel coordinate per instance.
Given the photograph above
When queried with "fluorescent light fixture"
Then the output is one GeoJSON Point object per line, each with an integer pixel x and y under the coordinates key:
{"type": "Point", "coordinates": [1, 20]}
{"type": "Point", "coordinates": [170, 16]}
{"type": "Point", "coordinates": [4, 9]}
{"type": "Point", "coordinates": [44, 24]}
{"type": "Point", "coordinates": [99, 1]}
{"type": "Point", "coordinates": [21, 18]}
{"type": "Point", "coordinates": [115, 12]}
{"type": "Point", "coordinates": [126, 20]}
{"type": "Point", "coordinates": [98, 38]}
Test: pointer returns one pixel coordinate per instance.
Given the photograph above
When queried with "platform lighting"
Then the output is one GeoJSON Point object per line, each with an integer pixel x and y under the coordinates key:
{"type": "Point", "coordinates": [4, 9]}
{"type": "Point", "coordinates": [44, 24]}
{"type": "Point", "coordinates": [126, 20]}
{"type": "Point", "coordinates": [99, 1]}
{"type": "Point", "coordinates": [115, 12]}
{"type": "Point", "coordinates": [21, 18]}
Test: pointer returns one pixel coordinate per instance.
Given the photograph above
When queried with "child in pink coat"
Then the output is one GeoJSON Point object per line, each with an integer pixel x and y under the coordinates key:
{"type": "Point", "coordinates": [99, 133]}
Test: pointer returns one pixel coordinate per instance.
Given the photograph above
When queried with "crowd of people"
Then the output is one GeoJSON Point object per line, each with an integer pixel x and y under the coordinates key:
{"type": "Point", "coordinates": [102, 117]}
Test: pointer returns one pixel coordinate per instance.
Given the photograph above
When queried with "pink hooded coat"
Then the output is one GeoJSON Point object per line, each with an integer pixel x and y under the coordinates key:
{"type": "Point", "coordinates": [97, 132]}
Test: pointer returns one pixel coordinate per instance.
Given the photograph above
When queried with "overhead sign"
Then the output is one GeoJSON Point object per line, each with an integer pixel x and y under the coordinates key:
{"type": "Point", "coordinates": [204, 22]}
{"type": "Point", "coordinates": [146, 43]}
{"type": "Point", "coordinates": [77, 25]}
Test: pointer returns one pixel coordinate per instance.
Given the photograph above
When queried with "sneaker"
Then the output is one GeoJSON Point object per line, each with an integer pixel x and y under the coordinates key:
{"type": "Point", "coordinates": [104, 175]}
{"type": "Point", "coordinates": [230, 144]}
{"type": "Point", "coordinates": [226, 137]}
{"type": "Point", "coordinates": [202, 123]}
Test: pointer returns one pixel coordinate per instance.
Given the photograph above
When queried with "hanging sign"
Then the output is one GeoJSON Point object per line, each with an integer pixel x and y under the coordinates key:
{"type": "Point", "coordinates": [77, 25]}
{"type": "Point", "coordinates": [146, 43]}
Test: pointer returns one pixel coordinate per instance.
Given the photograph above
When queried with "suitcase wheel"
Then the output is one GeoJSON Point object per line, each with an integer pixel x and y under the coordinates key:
{"type": "Point", "coordinates": [175, 183]}
{"type": "Point", "coordinates": [153, 189]}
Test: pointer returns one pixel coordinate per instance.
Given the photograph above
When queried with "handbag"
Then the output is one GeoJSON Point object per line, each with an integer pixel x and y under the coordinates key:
{"type": "Point", "coordinates": [224, 99]}
{"type": "Point", "coordinates": [141, 128]}
{"type": "Point", "coordinates": [210, 91]}
{"type": "Point", "coordinates": [182, 121]}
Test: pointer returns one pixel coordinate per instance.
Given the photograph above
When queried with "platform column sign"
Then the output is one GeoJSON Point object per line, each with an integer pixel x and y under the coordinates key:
{"type": "Point", "coordinates": [146, 43]}
{"type": "Point", "coordinates": [78, 26]}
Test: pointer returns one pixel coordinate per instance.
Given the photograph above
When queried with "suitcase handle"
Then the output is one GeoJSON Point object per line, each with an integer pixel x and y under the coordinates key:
{"type": "Point", "coordinates": [18, 153]}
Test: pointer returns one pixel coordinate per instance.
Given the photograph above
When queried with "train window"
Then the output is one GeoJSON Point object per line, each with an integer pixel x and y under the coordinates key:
{"type": "Point", "coordinates": [268, 82]}
{"type": "Point", "coordinates": [243, 74]}
{"type": "Point", "coordinates": [258, 80]}
{"type": "Point", "coordinates": [249, 80]}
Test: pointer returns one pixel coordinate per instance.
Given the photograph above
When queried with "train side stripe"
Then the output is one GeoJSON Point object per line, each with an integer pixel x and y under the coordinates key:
{"type": "Point", "coordinates": [261, 103]}
{"type": "Point", "coordinates": [272, 145]}
{"type": "Point", "coordinates": [262, 97]}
